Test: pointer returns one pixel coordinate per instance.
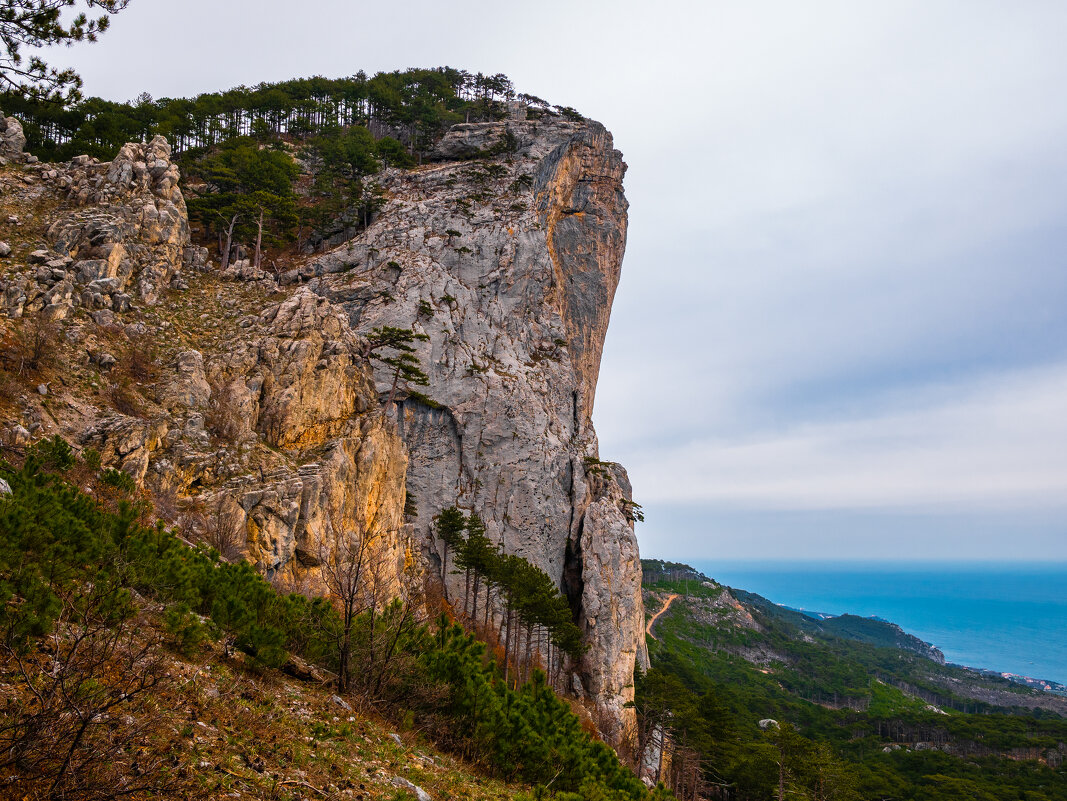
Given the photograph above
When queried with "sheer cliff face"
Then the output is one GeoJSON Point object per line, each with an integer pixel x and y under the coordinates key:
{"type": "Point", "coordinates": [509, 264]}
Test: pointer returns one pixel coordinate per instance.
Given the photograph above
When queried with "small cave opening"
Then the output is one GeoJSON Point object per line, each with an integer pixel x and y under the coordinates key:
{"type": "Point", "coordinates": [572, 584]}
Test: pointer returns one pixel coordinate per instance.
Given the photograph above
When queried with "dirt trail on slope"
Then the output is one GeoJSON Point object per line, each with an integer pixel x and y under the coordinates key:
{"type": "Point", "coordinates": [655, 617]}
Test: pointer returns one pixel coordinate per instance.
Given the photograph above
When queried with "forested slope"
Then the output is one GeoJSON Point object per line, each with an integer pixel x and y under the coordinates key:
{"type": "Point", "coordinates": [756, 697]}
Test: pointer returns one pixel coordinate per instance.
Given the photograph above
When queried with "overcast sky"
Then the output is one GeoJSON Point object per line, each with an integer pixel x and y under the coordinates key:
{"type": "Point", "coordinates": [840, 331]}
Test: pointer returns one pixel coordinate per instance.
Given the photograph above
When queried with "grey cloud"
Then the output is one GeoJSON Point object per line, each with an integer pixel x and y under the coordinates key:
{"type": "Point", "coordinates": [843, 286]}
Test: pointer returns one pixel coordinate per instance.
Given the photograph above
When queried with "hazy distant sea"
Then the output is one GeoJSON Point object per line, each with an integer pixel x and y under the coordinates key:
{"type": "Point", "coordinates": [1004, 617]}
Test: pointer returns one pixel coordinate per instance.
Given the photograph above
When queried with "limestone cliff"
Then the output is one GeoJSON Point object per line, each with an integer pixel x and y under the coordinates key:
{"type": "Point", "coordinates": [243, 401]}
{"type": "Point", "coordinates": [508, 263]}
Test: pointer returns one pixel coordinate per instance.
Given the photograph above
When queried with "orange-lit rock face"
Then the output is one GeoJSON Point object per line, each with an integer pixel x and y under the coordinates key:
{"type": "Point", "coordinates": [299, 383]}
{"type": "Point", "coordinates": [266, 435]}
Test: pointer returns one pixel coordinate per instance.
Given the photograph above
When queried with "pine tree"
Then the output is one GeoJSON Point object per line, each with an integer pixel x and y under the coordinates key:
{"type": "Point", "coordinates": [449, 526]}
{"type": "Point", "coordinates": [39, 23]}
{"type": "Point", "coordinates": [477, 552]}
{"type": "Point", "coordinates": [404, 362]}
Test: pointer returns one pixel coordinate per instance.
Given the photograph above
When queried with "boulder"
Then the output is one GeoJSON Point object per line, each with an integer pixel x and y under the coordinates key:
{"type": "Point", "coordinates": [12, 138]}
{"type": "Point", "coordinates": [104, 317]}
{"type": "Point", "coordinates": [19, 436]}
{"type": "Point", "coordinates": [404, 784]}
{"type": "Point", "coordinates": [189, 389]}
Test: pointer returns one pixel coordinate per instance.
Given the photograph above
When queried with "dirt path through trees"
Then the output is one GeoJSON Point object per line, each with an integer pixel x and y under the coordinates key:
{"type": "Point", "coordinates": [655, 617]}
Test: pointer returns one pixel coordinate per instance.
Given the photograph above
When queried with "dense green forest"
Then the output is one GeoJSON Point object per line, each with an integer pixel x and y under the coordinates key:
{"type": "Point", "coordinates": [842, 717]}
{"type": "Point", "coordinates": [414, 106]}
{"type": "Point", "coordinates": [532, 604]}
{"type": "Point", "coordinates": [93, 597]}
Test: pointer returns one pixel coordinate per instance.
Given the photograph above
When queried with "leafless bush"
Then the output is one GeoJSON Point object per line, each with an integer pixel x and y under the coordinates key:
{"type": "Point", "coordinates": [218, 526]}
{"type": "Point", "coordinates": [168, 506]}
{"type": "Point", "coordinates": [141, 362]}
{"type": "Point", "coordinates": [31, 346]}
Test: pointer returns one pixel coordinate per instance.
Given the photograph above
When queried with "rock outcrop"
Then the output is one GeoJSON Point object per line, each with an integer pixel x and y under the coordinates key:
{"type": "Point", "coordinates": [120, 236]}
{"type": "Point", "coordinates": [301, 387]}
{"type": "Point", "coordinates": [279, 444]}
{"type": "Point", "coordinates": [12, 138]}
{"type": "Point", "coordinates": [508, 264]}
{"type": "Point", "coordinates": [271, 444]}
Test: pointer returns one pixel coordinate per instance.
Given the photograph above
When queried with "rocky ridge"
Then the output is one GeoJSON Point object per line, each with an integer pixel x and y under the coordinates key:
{"type": "Point", "coordinates": [266, 438]}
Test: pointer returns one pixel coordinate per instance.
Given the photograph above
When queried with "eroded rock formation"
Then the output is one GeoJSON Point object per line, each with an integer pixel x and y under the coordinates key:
{"type": "Point", "coordinates": [266, 438]}
{"type": "Point", "coordinates": [121, 234]}
{"type": "Point", "coordinates": [12, 138]}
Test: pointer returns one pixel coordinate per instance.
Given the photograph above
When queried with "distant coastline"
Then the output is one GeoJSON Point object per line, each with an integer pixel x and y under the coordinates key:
{"type": "Point", "coordinates": [1005, 619]}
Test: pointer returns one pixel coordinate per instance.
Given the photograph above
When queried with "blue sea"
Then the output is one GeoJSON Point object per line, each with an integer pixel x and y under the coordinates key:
{"type": "Point", "coordinates": [1005, 617]}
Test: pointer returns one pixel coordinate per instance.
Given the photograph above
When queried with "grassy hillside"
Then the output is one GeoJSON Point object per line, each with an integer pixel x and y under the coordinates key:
{"type": "Point", "coordinates": [136, 664]}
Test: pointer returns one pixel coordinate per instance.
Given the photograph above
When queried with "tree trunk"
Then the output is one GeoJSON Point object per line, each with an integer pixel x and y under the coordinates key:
{"type": "Point", "coordinates": [388, 656]}
{"type": "Point", "coordinates": [392, 394]}
{"type": "Point", "coordinates": [229, 242]}
{"type": "Point", "coordinates": [370, 638]}
{"type": "Point", "coordinates": [343, 667]}
{"type": "Point", "coordinates": [466, 590]}
{"type": "Point", "coordinates": [474, 612]}
{"type": "Point", "coordinates": [259, 241]}
{"type": "Point", "coordinates": [507, 641]}
{"type": "Point", "coordinates": [548, 662]}
{"type": "Point", "coordinates": [526, 666]}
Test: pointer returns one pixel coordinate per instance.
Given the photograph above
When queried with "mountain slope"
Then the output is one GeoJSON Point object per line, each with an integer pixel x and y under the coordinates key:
{"type": "Point", "coordinates": [244, 400]}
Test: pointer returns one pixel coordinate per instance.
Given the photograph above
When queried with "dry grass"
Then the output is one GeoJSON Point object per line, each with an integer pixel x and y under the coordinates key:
{"type": "Point", "coordinates": [210, 729]}
{"type": "Point", "coordinates": [129, 383]}
{"type": "Point", "coordinates": [34, 215]}
{"type": "Point", "coordinates": [207, 316]}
